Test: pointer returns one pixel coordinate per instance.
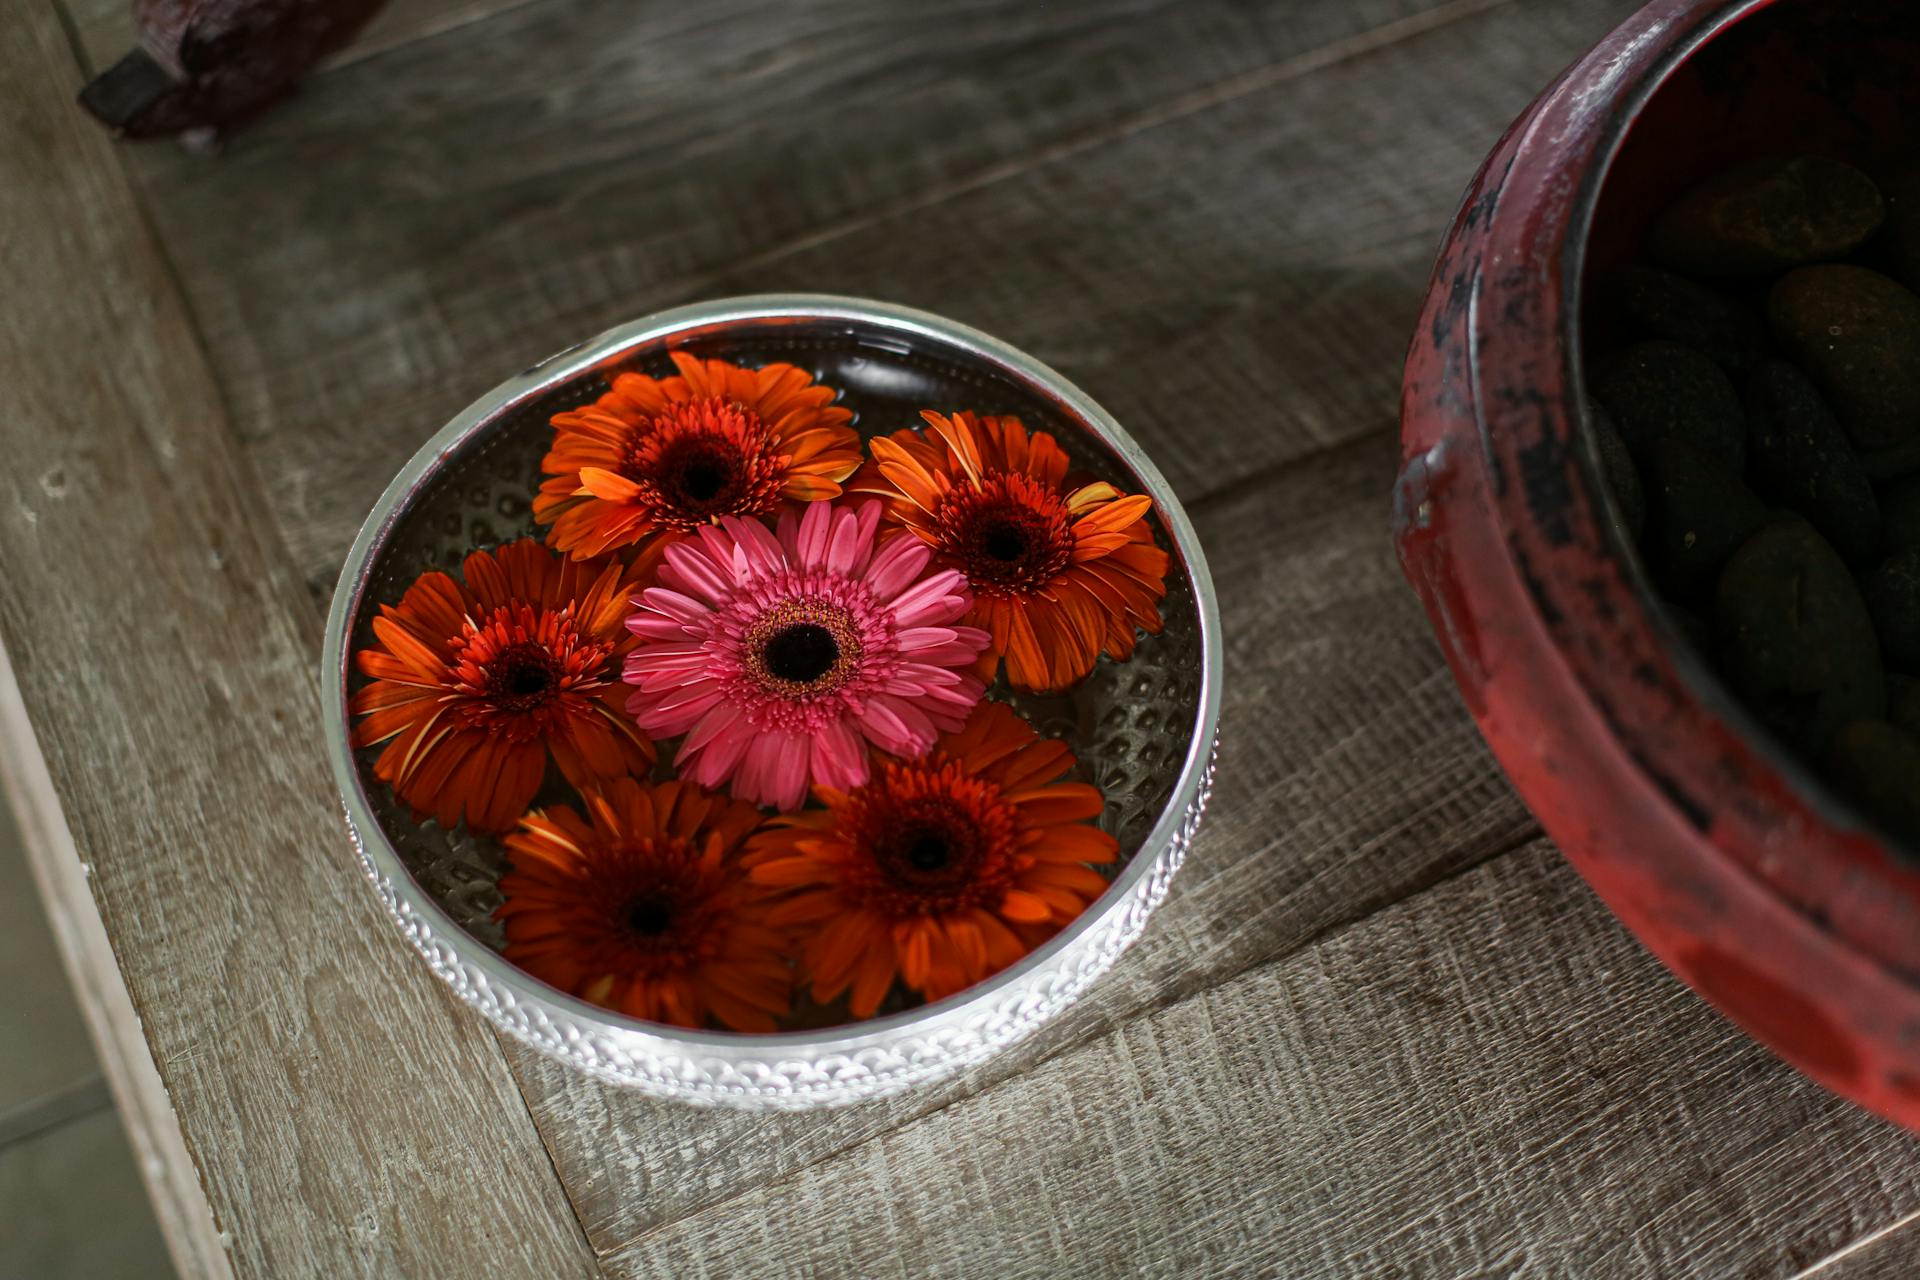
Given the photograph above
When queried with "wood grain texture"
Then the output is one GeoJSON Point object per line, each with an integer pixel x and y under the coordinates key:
{"type": "Point", "coordinates": [1378, 1029]}
{"type": "Point", "coordinates": [1348, 779]}
{"type": "Point", "coordinates": [1490, 1079]}
{"type": "Point", "coordinates": [1167, 194]}
{"type": "Point", "coordinates": [346, 1117]}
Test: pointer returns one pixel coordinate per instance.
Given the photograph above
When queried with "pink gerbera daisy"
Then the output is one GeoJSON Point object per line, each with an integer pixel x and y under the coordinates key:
{"type": "Point", "coordinates": [781, 654]}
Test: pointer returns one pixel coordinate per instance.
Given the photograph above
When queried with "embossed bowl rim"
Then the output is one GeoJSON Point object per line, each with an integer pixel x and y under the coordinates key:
{"type": "Point", "coordinates": [690, 1064]}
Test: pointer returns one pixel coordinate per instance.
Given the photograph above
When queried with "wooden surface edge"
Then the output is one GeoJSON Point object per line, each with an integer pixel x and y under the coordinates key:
{"type": "Point", "coordinates": [1891, 1253]}
{"type": "Point", "coordinates": [173, 1182]}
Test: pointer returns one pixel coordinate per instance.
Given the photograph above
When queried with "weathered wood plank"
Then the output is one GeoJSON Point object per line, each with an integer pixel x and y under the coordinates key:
{"type": "Point", "coordinates": [102, 30]}
{"type": "Point", "coordinates": [1491, 1078]}
{"type": "Point", "coordinates": [1506, 1081]}
{"type": "Point", "coordinates": [1348, 778]}
{"type": "Point", "coordinates": [345, 1115]}
{"type": "Point", "coordinates": [375, 259]}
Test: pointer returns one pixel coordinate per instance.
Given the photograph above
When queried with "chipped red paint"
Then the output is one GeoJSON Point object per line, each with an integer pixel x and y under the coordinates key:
{"type": "Point", "coordinates": [1732, 864]}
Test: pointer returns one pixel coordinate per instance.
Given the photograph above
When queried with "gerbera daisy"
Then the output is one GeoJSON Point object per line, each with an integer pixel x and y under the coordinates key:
{"type": "Point", "coordinates": [1059, 575]}
{"type": "Point", "coordinates": [476, 684]}
{"type": "Point", "coordinates": [782, 654]}
{"type": "Point", "coordinates": [665, 456]}
{"type": "Point", "coordinates": [941, 870]}
{"type": "Point", "coordinates": [646, 908]}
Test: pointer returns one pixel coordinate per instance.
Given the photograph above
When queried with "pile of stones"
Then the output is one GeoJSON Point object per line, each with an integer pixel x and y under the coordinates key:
{"type": "Point", "coordinates": [1760, 433]}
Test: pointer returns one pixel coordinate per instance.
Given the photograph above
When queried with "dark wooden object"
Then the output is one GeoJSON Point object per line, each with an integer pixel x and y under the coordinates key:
{"type": "Point", "coordinates": [204, 68]}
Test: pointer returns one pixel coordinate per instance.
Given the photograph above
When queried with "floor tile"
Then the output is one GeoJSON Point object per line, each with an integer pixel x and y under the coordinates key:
{"type": "Point", "coordinates": [43, 1044]}
{"type": "Point", "coordinates": [71, 1200]}
{"type": "Point", "coordinates": [72, 1206]}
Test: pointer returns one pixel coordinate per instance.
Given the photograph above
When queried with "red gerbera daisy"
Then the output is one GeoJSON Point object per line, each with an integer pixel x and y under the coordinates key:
{"type": "Point", "coordinates": [476, 684]}
{"type": "Point", "coordinates": [1059, 575]}
{"type": "Point", "coordinates": [647, 908]}
{"type": "Point", "coordinates": [941, 870]}
{"type": "Point", "coordinates": [664, 456]}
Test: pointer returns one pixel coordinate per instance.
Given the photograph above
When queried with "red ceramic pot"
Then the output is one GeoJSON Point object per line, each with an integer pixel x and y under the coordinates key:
{"type": "Point", "coordinates": [1733, 864]}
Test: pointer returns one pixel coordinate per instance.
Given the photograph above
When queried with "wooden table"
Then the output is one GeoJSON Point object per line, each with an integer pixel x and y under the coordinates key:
{"type": "Point", "coordinates": [1379, 1028]}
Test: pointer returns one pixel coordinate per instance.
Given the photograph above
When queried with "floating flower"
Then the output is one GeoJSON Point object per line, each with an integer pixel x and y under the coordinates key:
{"type": "Point", "coordinates": [1058, 575]}
{"type": "Point", "coordinates": [666, 456]}
{"type": "Point", "coordinates": [647, 908]}
{"type": "Point", "coordinates": [942, 870]}
{"type": "Point", "coordinates": [474, 686]}
{"type": "Point", "coordinates": [781, 655]}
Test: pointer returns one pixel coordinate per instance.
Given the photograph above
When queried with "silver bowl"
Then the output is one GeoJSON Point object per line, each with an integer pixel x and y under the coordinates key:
{"type": "Point", "coordinates": [1144, 729]}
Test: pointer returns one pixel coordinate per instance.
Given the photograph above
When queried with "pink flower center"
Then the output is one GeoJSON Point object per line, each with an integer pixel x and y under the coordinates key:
{"type": "Point", "coordinates": [797, 648]}
{"type": "Point", "coordinates": [803, 647]}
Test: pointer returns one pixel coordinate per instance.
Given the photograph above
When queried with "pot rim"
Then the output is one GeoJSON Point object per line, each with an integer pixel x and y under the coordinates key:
{"type": "Point", "coordinates": [1165, 841]}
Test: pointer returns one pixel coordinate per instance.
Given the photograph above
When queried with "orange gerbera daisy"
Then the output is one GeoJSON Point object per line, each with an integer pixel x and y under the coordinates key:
{"type": "Point", "coordinates": [1059, 574]}
{"type": "Point", "coordinates": [941, 870]}
{"type": "Point", "coordinates": [647, 908]}
{"type": "Point", "coordinates": [667, 455]}
{"type": "Point", "coordinates": [476, 683]}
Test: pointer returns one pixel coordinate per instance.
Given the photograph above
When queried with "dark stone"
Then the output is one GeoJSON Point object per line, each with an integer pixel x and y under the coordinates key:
{"type": "Point", "coordinates": [1800, 459]}
{"type": "Point", "coordinates": [1768, 215]}
{"type": "Point", "coordinates": [1661, 390]}
{"type": "Point", "coordinates": [1693, 628]}
{"type": "Point", "coordinates": [1659, 304]}
{"type": "Point", "coordinates": [1698, 514]}
{"type": "Point", "coordinates": [1897, 248]}
{"type": "Point", "coordinates": [1793, 635]}
{"type": "Point", "coordinates": [1897, 463]}
{"type": "Point", "coordinates": [1900, 515]}
{"type": "Point", "coordinates": [1903, 701]}
{"type": "Point", "coordinates": [1857, 333]}
{"type": "Point", "coordinates": [1892, 593]}
{"type": "Point", "coordinates": [1617, 469]}
{"type": "Point", "coordinates": [1877, 766]}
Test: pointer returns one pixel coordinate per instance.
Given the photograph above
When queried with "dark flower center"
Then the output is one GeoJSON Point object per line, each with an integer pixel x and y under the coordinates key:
{"type": "Point", "coordinates": [524, 677]}
{"type": "Point", "coordinates": [703, 458]}
{"type": "Point", "coordinates": [1004, 541]}
{"type": "Point", "coordinates": [650, 915]}
{"type": "Point", "coordinates": [702, 481]}
{"type": "Point", "coordinates": [1010, 536]}
{"type": "Point", "coordinates": [929, 851]}
{"type": "Point", "coordinates": [801, 653]}
{"type": "Point", "coordinates": [927, 838]}
{"type": "Point", "coordinates": [699, 475]}
{"type": "Point", "coordinates": [930, 848]}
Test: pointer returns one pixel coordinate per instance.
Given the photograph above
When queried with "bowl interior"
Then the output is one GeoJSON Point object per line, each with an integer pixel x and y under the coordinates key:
{"type": "Point", "coordinates": [1826, 77]}
{"type": "Point", "coordinates": [1792, 76]}
{"type": "Point", "coordinates": [1131, 724]}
